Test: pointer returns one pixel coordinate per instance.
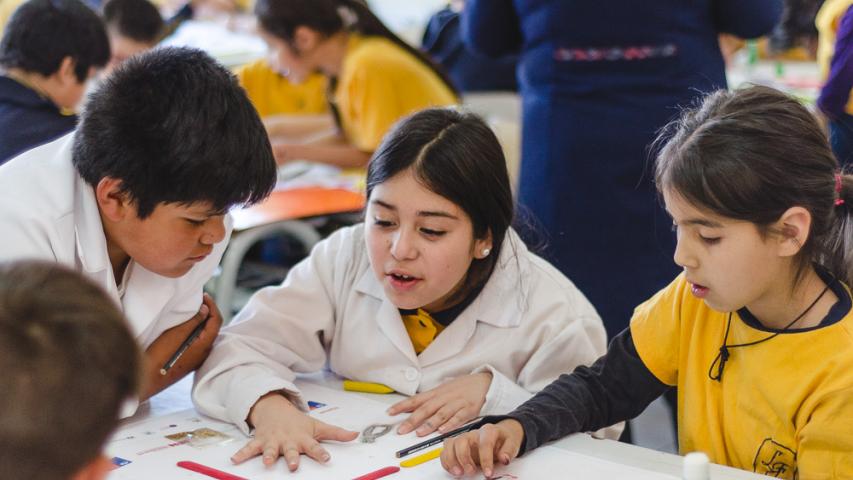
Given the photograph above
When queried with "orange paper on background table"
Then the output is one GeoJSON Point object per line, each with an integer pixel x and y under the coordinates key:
{"type": "Point", "coordinates": [298, 203]}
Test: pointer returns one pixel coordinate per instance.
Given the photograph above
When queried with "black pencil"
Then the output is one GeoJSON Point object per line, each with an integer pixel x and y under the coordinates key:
{"type": "Point", "coordinates": [436, 440]}
{"type": "Point", "coordinates": [183, 348]}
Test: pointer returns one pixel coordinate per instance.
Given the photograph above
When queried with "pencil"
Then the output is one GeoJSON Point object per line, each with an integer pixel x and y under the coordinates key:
{"type": "Point", "coordinates": [415, 461]}
{"type": "Point", "coordinates": [367, 387]}
{"type": "Point", "coordinates": [436, 440]}
{"type": "Point", "coordinates": [210, 472]}
{"type": "Point", "coordinates": [383, 472]}
{"type": "Point", "coordinates": [183, 348]}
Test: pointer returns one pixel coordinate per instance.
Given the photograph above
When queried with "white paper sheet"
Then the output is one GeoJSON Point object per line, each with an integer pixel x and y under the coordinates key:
{"type": "Point", "coordinates": [153, 456]}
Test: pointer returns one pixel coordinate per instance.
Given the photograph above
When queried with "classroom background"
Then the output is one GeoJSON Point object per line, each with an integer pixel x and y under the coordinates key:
{"type": "Point", "coordinates": [313, 199]}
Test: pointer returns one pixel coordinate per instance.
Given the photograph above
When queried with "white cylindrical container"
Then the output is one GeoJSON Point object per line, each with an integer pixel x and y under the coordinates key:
{"type": "Point", "coordinates": [696, 467]}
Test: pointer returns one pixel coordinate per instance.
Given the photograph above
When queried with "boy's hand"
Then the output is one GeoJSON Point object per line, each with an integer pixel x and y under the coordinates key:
{"type": "Point", "coordinates": [501, 442]}
{"type": "Point", "coordinates": [159, 352]}
{"type": "Point", "coordinates": [211, 329]}
{"type": "Point", "coordinates": [445, 407]}
{"type": "Point", "coordinates": [282, 430]}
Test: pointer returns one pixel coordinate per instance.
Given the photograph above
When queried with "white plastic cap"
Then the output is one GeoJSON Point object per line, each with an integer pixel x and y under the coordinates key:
{"type": "Point", "coordinates": [696, 467]}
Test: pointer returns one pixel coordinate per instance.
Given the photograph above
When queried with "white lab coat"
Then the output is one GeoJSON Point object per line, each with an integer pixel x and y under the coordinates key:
{"type": "Point", "coordinates": [528, 325]}
{"type": "Point", "coordinates": [47, 211]}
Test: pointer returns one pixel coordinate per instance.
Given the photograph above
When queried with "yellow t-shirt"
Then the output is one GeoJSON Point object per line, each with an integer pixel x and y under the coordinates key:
{"type": "Point", "coordinates": [784, 407]}
{"type": "Point", "coordinates": [827, 22]}
{"type": "Point", "coordinates": [7, 8]}
{"type": "Point", "coordinates": [422, 329]}
{"type": "Point", "coordinates": [272, 93]}
{"type": "Point", "coordinates": [380, 83]}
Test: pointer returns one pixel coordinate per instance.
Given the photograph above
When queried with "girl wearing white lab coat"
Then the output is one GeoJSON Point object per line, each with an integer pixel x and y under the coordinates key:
{"type": "Point", "coordinates": [434, 296]}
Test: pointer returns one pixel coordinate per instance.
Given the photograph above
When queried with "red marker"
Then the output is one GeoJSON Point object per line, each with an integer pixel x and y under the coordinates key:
{"type": "Point", "coordinates": [210, 472]}
{"type": "Point", "coordinates": [378, 474]}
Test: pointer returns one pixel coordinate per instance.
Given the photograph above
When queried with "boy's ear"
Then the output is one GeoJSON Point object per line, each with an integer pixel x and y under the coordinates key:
{"type": "Point", "coordinates": [65, 74]}
{"type": "Point", "coordinates": [795, 226]}
{"type": "Point", "coordinates": [305, 39]}
{"type": "Point", "coordinates": [97, 469]}
{"type": "Point", "coordinates": [112, 202]}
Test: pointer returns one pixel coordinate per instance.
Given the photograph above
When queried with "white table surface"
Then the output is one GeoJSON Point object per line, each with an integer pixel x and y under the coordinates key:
{"type": "Point", "coordinates": [177, 398]}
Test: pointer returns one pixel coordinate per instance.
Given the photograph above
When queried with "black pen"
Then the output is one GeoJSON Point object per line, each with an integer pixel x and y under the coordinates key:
{"type": "Point", "coordinates": [436, 440]}
{"type": "Point", "coordinates": [183, 348]}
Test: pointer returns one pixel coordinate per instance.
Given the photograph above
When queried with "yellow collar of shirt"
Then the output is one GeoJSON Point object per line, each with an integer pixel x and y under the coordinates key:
{"type": "Point", "coordinates": [422, 329]}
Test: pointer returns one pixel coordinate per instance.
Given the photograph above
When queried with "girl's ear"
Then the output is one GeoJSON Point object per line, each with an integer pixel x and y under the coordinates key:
{"type": "Point", "coordinates": [483, 246]}
{"type": "Point", "coordinates": [795, 226]}
{"type": "Point", "coordinates": [112, 202]}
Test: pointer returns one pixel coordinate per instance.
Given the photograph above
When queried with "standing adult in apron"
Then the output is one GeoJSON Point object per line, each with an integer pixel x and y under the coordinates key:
{"type": "Point", "coordinates": [598, 79]}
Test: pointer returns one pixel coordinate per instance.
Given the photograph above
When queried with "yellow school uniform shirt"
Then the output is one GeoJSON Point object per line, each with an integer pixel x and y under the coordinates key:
{"type": "Point", "coordinates": [783, 407]}
{"type": "Point", "coordinates": [272, 93]}
{"type": "Point", "coordinates": [7, 8]}
{"type": "Point", "coordinates": [380, 83]}
{"type": "Point", "coordinates": [827, 21]}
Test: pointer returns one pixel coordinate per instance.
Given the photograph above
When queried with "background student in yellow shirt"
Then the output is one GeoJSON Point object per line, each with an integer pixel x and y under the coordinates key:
{"type": "Point", "coordinates": [757, 332]}
{"type": "Point", "coordinates": [272, 93]}
{"type": "Point", "coordinates": [375, 77]}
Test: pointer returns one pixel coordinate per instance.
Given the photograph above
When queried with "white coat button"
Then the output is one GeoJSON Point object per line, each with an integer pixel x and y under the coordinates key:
{"type": "Point", "coordinates": [411, 374]}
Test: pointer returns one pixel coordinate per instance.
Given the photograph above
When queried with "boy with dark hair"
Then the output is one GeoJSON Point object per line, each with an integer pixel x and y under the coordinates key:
{"type": "Point", "coordinates": [133, 26]}
{"type": "Point", "coordinates": [69, 362]}
{"type": "Point", "coordinates": [137, 197]}
{"type": "Point", "coordinates": [48, 51]}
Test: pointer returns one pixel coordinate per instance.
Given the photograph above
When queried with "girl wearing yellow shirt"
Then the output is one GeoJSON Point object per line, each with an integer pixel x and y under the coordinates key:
{"type": "Point", "coordinates": [374, 77]}
{"type": "Point", "coordinates": [757, 332]}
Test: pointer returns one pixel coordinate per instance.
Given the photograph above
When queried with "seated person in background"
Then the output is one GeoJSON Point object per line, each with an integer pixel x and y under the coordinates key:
{"type": "Point", "coordinates": [133, 26]}
{"type": "Point", "coordinates": [48, 52]}
{"type": "Point", "coordinates": [835, 57]}
{"type": "Point", "coordinates": [375, 77]}
{"type": "Point", "coordinates": [795, 36]}
{"type": "Point", "coordinates": [136, 198]}
{"type": "Point", "coordinates": [470, 71]}
{"type": "Point", "coordinates": [434, 295]}
{"type": "Point", "coordinates": [69, 363]}
{"type": "Point", "coordinates": [272, 93]}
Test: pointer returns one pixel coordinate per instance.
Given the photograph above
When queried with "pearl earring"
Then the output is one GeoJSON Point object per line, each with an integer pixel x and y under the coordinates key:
{"type": "Point", "coordinates": [486, 252]}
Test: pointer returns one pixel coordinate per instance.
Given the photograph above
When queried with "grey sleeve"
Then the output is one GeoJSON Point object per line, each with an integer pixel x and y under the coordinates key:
{"type": "Point", "coordinates": [617, 387]}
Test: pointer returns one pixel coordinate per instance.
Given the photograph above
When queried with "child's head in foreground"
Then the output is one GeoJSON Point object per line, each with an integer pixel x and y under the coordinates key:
{"type": "Point", "coordinates": [69, 362]}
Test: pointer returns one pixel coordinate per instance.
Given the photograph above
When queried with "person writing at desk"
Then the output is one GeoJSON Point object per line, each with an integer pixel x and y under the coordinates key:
{"type": "Point", "coordinates": [135, 198]}
{"type": "Point", "coordinates": [756, 332]}
{"type": "Point", "coordinates": [434, 295]}
{"type": "Point", "coordinates": [375, 78]}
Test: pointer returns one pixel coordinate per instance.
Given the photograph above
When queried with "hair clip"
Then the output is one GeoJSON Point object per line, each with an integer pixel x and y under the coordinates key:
{"type": "Point", "coordinates": [838, 187]}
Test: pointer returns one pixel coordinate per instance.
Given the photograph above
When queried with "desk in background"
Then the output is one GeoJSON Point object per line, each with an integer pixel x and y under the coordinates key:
{"type": "Point", "coordinates": [283, 213]}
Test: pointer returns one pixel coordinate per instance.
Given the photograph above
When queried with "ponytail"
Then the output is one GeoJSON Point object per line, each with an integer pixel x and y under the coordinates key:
{"type": "Point", "coordinates": [281, 17]}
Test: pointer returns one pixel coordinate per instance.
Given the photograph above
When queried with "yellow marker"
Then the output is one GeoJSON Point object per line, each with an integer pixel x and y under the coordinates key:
{"type": "Point", "coordinates": [415, 461]}
{"type": "Point", "coordinates": [367, 387]}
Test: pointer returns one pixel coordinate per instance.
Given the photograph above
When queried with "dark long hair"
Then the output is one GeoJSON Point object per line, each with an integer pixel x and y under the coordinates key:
{"type": "Point", "coordinates": [751, 155]}
{"type": "Point", "coordinates": [282, 17]}
{"type": "Point", "coordinates": [457, 156]}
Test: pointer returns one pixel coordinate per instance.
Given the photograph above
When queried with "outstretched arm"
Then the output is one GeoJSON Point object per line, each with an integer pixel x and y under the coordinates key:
{"type": "Point", "coordinates": [618, 386]}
